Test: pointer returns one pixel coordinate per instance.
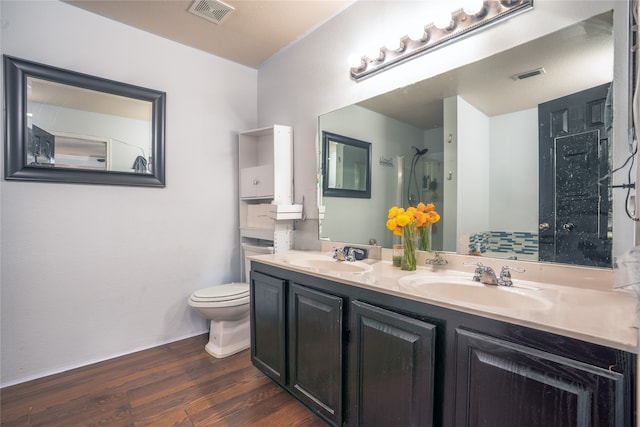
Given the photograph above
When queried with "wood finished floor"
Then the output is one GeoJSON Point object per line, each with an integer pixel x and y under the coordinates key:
{"type": "Point", "coordinates": [176, 384]}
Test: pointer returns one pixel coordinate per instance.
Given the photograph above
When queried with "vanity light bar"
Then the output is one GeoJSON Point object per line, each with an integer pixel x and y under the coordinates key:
{"type": "Point", "coordinates": [461, 24]}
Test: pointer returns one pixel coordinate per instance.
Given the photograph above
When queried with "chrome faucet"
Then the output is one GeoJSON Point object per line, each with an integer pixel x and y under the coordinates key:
{"type": "Point", "coordinates": [349, 255]}
{"type": "Point", "coordinates": [485, 274]}
{"type": "Point", "coordinates": [477, 273]}
{"type": "Point", "coordinates": [505, 275]}
{"type": "Point", "coordinates": [488, 276]}
{"type": "Point", "coordinates": [438, 259]}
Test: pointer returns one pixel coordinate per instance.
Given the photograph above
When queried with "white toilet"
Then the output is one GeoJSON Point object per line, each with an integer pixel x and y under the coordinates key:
{"type": "Point", "coordinates": [227, 309]}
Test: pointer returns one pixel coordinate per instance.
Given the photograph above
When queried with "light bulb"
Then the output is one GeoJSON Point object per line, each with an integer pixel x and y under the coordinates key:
{"type": "Point", "coordinates": [374, 53]}
{"type": "Point", "coordinates": [355, 60]}
{"type": "Point", "coordinates": [472, 7]}
{"type": "Point", "coordinates": [394, 44]}
{"type": "Point", "coordinates": [442, 19]}
{"type": "Point", "coordinates": [416, 32]}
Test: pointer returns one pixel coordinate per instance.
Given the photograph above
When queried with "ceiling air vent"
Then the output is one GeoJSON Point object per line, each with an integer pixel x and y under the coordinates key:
{"type": "Point", "coordinates": [528, 74]}
{"type": "Point", "coordinates": [211, 10]}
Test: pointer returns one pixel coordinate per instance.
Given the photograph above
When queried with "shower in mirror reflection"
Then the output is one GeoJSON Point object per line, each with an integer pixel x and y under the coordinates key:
{"type": "Point", "coordinates": [418, 180]}
{"type": "Point", "coordinates": [412, 197]}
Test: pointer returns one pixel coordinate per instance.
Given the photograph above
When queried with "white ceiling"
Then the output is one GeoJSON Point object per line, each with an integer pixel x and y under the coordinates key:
{"type": "Point", "coordinates": [249, 35]}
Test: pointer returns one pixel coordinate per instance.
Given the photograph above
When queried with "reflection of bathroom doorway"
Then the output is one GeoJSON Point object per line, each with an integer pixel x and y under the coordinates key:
{"type": "Point", "coordinates": [66, 150]}
{"type": "Point", "coordinates": [78, 152]}
{"type": "Point", "coordinates": [40, 148]}
{"type": "Point", "coordinates": [574, 202]}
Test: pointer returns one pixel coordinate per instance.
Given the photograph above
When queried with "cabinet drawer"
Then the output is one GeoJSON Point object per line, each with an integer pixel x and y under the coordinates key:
{"type": "Point", "coordinates": [256, 182]}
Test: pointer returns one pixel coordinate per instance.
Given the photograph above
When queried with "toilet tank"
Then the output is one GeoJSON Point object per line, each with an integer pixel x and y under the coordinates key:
{"type": "Point", "coordinates": [248, 250]}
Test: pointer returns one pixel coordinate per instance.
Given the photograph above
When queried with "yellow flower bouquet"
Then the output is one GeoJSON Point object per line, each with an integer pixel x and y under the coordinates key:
{"type": "Point", "coordinates": [414, 225]}
{"type": "Point", "coordinates": [424, 231]}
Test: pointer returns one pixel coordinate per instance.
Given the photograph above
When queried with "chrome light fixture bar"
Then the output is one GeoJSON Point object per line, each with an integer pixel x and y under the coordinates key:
{"type": "Point", "coordinates": [463, 21]}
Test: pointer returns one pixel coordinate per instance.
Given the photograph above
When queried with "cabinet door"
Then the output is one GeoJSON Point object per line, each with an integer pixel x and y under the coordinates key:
{"type": "Point", "coordinates": [256, 182]}
{"type": "Point", "coordinates": [392, 379]}
{"type": "Point", "coordinates": [502, 384]}
{"type": "Point", "coordinates": [268, 351]}
{"type": "Point", "coordinates": [316, 349]}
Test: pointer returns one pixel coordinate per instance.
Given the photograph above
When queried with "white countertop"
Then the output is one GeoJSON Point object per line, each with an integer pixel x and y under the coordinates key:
{"type": "Point", "coordinates": [601, 315]}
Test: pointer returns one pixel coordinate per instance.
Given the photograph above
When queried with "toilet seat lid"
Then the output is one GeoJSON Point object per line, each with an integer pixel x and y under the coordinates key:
{"type": "Point", "coordinates": [226, 292]}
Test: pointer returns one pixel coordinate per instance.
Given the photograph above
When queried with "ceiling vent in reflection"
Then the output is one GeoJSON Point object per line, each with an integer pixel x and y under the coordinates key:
{"type": "Point", "coordinates": [211, 10]}
{"type": "Point", "coordinates": [527, 74]}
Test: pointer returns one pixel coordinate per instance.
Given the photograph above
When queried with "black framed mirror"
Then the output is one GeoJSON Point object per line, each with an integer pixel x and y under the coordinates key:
{"type": "Point", "coordinates": [346, 166]}
{"type": "Point", "coordinates": [64, 126]}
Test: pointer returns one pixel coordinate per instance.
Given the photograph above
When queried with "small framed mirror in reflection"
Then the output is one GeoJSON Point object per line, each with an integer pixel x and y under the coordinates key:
{"type": "Point", "coordinates": [64, 126]}
{"type": "Point", "coordinates": [346, 167]}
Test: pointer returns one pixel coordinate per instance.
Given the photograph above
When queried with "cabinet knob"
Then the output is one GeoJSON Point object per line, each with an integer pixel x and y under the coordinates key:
{"type": "Point", "coordinates": [256, 182]}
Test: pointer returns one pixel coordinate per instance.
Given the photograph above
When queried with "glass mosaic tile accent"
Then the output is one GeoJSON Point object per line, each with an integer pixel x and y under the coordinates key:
{"type": "Point", "coordinates": [508, 242]}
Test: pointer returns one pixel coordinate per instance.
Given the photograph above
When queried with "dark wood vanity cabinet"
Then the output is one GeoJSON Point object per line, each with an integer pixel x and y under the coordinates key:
{"type": "Point", "coordinates": [268, 328]}
{"type": "Point", "coordinates": [297, 339]}
{"type": "Point", "coordinates": [358, 357]}
{"type": "Point", "coordinates": [392, 373]}
{"type": "Point", "coordinates": [316, 350]}
{"type": "Point", "coordinates": [500, 383]}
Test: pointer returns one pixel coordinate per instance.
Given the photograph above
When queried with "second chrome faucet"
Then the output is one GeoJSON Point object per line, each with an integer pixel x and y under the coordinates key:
{"type": "Point", "coordinates": [349, 254]}
{"type": "Point", "coordinates": [485, 274]}
{"type": "Point", "coordinates": [438, 259]}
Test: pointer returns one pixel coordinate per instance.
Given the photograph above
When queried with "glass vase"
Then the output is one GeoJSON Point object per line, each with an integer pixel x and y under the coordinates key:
{"type": "Point", "coordinates": [409, 237]}
{"type": "Point", "coordinates": [398, 251]}
{"type": "Point", "coordinates": [424, 238]}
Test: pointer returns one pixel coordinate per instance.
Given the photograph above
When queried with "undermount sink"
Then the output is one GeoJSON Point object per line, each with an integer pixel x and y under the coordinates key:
{"type": "Point", "coordinates": [461, 289]}
{"type": "Point", "coordinates": [327, 264]}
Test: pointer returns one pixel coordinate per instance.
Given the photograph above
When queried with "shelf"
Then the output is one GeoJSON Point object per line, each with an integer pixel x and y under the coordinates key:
{"type": "Point", "coordinates": [285, 212]}
{"type": "Point", "coordinates": [257, 233]}
{"type": "Point", "coordinates": [265, 162]}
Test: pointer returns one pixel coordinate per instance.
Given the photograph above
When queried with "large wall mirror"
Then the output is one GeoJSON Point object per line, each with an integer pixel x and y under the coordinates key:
{"type": "Point", "coordinates": [471, 140]}
{"type": "Point", "coordinates": [64, 126]}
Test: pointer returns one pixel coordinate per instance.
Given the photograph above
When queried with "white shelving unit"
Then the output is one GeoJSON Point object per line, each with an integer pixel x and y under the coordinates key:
{"type": "Point", "coordinates": [266, 209]}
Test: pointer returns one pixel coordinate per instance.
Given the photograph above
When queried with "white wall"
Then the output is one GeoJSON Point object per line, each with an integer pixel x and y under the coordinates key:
{"type": "Point", "coordinates": [312, 77]}
{"type": "Point", "coordinates": [433, 166]}
{"type": "Point", "coordinates": [474, 167]}
{"type": "Point", "coordinates": [498, 190]}
{"type": "Point", "coordinates": [449, 214]}
{"type": "Point", "coordinates": [514, 165]}
{"type": "Point", "coordinates": [91, 272]}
